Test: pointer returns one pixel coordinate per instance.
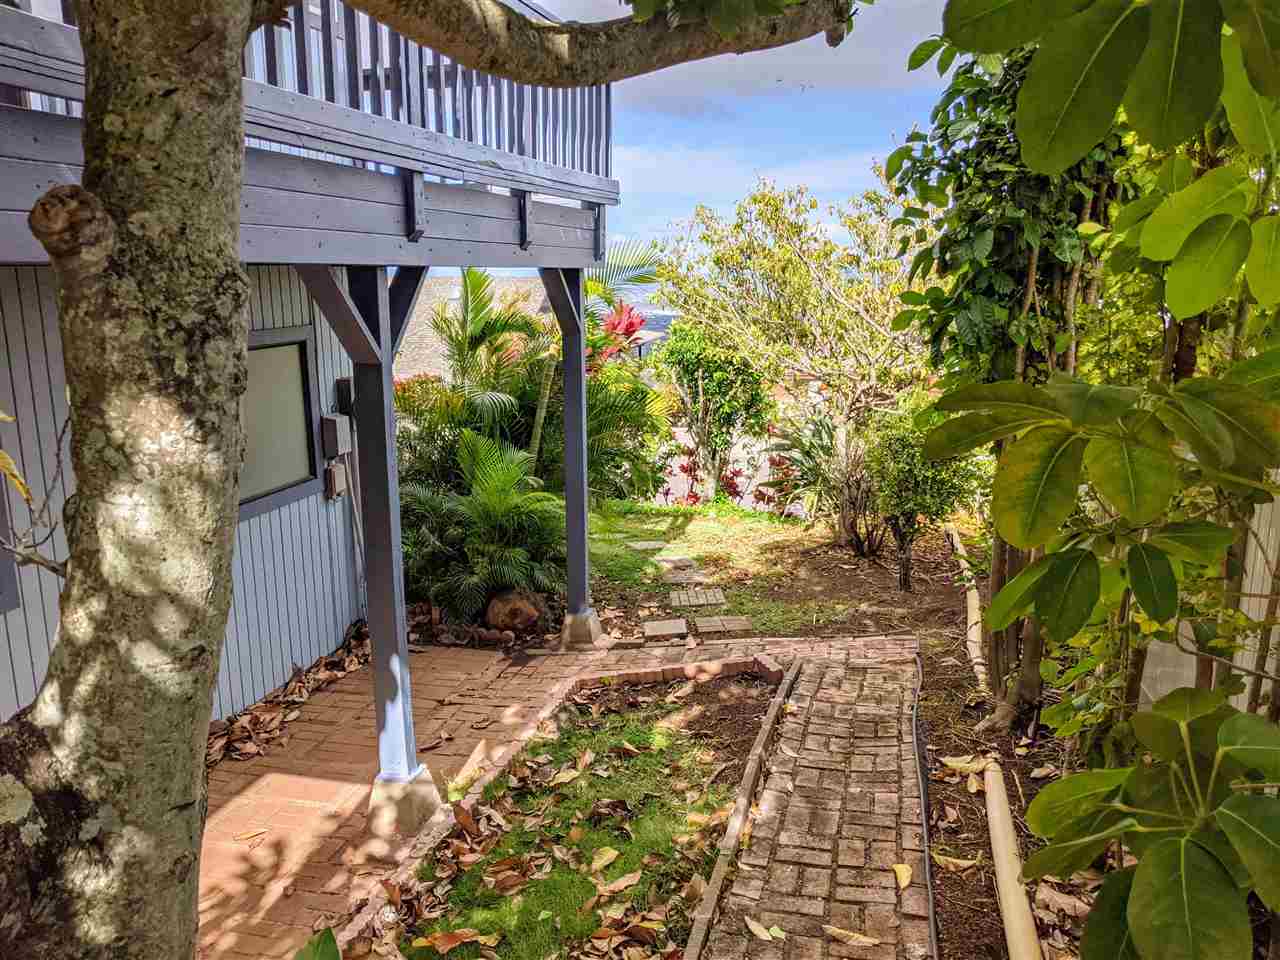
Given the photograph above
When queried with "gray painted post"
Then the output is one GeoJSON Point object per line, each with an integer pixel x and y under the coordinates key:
{"type": "Point", "coordinates": [380, 512]}
{"type": "Point", "coordinates": [564, 291]}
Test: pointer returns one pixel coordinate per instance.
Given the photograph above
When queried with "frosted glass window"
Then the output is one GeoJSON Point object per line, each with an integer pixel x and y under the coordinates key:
{"type": "Point", "coordinates": [274, 412]}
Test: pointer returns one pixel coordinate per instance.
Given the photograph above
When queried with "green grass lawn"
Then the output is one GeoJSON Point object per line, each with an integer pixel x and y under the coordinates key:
{"type": "Point", "coordinates": [547, 914]}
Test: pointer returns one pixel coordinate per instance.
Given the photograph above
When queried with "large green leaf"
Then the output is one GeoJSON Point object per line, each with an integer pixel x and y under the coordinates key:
{"type": "Point", "coordinates": [1091, 404]}
{"type": "Point", "coordinates": [1159, 734]}
{"type": "Point", "coordinates": [1188, 703]}
{"type": "Point", "coordinates": [1252, 824]}
{"type": "Point", "coordinates": [1136, 480]}
{"type": "Point", "coordinates": [1196, 540]}
{"type": "Point", "coordinates": [1076, 82]}
{"type": "Point", "coordinates": [1106, 932]}
{"type": "Point", "coordinates": [1014, 598]}
{"type": "Point", "coordinates": [322, 946]}
{"type": "Point", "coordinates": [1225, 190]}
{"type": "Point", "coordinates": [1154, 585]}
{"type": "Point", "coordinates": [1252, 423]}
{"type": "Point", "coordinates": [1254, 742]}
{"type": "Point", "coordinates": [1078, 845]}
{"type": "Point", "coordinates": [993, 26]}
{"type": "Point", "coordinates": [1255, 119]}
{"type": "Point", "coordinates": [1207, 265]}
{"type": "Point", "coordinates": [1002, 396]}
{"type": "Point", "coordinates": [1036, 483]}
{"type": "Point", "coordinates": [1184, 906]}
{"type": "Point", "coordinates": [1260, 374]}
{"type": "Point", "coordinates": [1137, 211]}
{"type": "Point", "coordinates": [1263, 265]}
{"type": "Point", "coordinates": [1179, 78]}
{"type": "Point", "coordinates": [959, 435]}
{"type": "Point", "coordinates": [1068, 592]}
{"type": "Point", "coordinates": [1257, 23]}
{"type": "Point", "coordinates": [1064, 801]}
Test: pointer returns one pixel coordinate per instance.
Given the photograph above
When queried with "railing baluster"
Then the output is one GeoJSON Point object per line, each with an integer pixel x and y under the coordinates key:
{"type": "Point", "coordinates": [329, 37]}
{"type": "Point", "coordinates": [469, 99]}
{"type": "Point", "coordinates": [301, 45]}
{"type": "Point", "coordinates": [375, 67]}
{"type": "Point", "coordinates": [455, 79]}
{"type": "Point", "coordinates": [608, 130]}
{"type": "Point", "coordinates": [395, 71]}
{"type": "Point", "coordinates": [351, 35]}
{"type": "Point", "coordinates": [487, 97]}
{"type": "Point", "coordinates": [437, 89]}
{"type": "Point", "coordinates": [273, 66]}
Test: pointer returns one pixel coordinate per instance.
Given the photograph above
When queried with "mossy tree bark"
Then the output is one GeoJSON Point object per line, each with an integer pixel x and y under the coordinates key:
{"type": "Point", "coordinates": [102, 795]}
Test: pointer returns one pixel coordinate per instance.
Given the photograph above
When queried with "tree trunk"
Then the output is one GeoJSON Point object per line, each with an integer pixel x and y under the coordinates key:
{"type": "Point", "coordinates": [904, 537]}
{"type": "Point", "coordinates": [1264, 641]}
{"type": "Point", "coordinates": [102, 796]}
{"type": "Point", "coordinates": [709, 463]}
{"type": "Point", "coordinates": [999, 576]}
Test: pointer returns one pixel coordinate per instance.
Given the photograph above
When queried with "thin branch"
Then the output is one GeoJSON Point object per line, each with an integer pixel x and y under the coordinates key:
{"type": "Point", "coordinates": [1177, 642]}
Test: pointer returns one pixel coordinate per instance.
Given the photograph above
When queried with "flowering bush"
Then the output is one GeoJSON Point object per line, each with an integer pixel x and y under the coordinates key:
{"type": "Point", "coordinates": [617, 332]}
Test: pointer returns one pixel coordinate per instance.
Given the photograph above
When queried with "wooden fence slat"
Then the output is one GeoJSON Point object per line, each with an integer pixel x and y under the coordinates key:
{"type": "Point", "coordinates": [351, 42]}
{"type": "Point", "coordinates": [375, 67]}
{"type": "Point", "coordinates": [301, 46]}
{"type": "Point", "coordinates": [329, 54]}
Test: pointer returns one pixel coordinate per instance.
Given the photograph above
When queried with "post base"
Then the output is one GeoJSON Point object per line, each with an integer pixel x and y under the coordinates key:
{"type": "Point", "coordinates": [581, 630]}
{"type": "Point", "coordinates": [400, 808]}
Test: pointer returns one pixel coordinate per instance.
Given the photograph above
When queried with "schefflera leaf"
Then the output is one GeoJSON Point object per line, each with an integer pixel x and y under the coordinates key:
{"type": "Point", "coordinates": [1254, 119]}
{"type": "Point", "coordinates": [1184, 906]}
{"type": "Point", "coordinates": [993, 26]}
{"type": "Point", "coordinates": [1254, 742]}
{"type": "Point", "coordinates": [1068, 592]}
{"type": "Point", "coordinates": [1154, 585]}
{"type": "Point", "coordinates": [1016, 596]}
{"type": "Point", "coordinates": [1252, 824]}
{"type": "Point", "coordinates": [1136, 480]}
{"type": "Point", "coordinates": [1064, 801]}
{"type": "Point", "coordinates": [1076, 82]}
{"type": "Point", "coordinates": [1106, 932]}
{"type": "Point", "coordinates": [1036, 484]}
{"type": "Point", "coordinates": [1207, 265]}
{"type": "Point", "coordinates": [1223, 191]}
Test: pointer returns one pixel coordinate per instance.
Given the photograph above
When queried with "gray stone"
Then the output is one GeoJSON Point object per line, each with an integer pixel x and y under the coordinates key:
{"type": "Point", "coordinates": [646, 544]}
{"type": "Point", "coordinates": [655, 629]}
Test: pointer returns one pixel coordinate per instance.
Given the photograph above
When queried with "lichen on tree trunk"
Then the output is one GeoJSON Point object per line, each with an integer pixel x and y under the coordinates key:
{"type": "Point", "coordinates": [102, 794]}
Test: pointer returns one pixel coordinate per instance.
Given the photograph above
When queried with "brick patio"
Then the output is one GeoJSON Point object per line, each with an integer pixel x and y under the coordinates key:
{"type": "Point", "coordinates": [284, 847]}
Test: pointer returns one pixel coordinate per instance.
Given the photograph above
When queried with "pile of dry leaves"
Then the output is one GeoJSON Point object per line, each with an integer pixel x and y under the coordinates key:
{"type": "Point", "coordinates": [247, 734]}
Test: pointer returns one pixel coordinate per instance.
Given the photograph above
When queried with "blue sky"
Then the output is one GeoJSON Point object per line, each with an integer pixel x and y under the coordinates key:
{"type": "Point", "coordinates": [805, 114]}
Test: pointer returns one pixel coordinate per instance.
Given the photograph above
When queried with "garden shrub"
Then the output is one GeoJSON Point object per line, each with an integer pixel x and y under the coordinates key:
{"type": "Point", "coordinates": [912, 492]}
{"type": "Point", "coordinates": [722, 397]}
{"type": "Point", "coordinates": [461, 549]}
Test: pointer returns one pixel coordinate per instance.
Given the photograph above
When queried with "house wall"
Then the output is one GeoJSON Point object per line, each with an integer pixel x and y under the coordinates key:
{"type": "Point", "coordinates": [297, 577]}
{"type": "Point", "coordinates": [1169, 668]}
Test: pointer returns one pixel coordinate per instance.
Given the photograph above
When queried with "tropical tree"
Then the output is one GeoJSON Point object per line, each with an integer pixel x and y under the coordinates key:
{"type": "Point", "coordinates": [807, 309]}
{"type": "Point", "coordinates": [102, 777]}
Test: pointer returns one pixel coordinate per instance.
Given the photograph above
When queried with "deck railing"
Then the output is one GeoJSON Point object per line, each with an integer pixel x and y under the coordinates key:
{"type": "Point", "coordinates": [341, 55]}
{"type": "Point", "coordinates": [336, 84]}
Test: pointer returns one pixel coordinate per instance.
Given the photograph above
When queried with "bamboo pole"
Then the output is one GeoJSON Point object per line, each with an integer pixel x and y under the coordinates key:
{"type": "Point", "coordinates": [1020, 934]}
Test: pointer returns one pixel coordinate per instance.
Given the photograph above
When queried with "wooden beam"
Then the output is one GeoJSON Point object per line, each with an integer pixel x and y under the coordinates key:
{"type": "Point", "coordinates": [406, 287]}
{"type": "Point", "coordinates": [341, 312]}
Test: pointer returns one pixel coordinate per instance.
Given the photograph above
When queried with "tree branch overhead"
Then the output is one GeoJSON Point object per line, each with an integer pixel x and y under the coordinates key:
{"type": "Point", "coordinates": [490, 36]}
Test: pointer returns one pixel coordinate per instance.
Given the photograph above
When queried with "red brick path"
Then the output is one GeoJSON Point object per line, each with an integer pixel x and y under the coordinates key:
{"type": "Point", "coordinates": [284, 846]}
{"type": "Point", "coordinates": [840, 807]}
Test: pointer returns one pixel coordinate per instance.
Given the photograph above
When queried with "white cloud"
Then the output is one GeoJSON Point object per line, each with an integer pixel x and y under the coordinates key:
{"type": "Point", "coordinates": [872, 58]}
{"type": "Point", "coordinates": [661, 185]}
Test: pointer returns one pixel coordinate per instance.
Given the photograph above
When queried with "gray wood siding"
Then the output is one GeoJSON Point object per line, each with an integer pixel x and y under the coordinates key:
{"type": "Point", "coordinates": [296, 574]}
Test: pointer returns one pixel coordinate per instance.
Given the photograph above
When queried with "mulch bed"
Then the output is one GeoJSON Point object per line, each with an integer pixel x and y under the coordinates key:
{"type": "Point", "coordinates": [968, 914]}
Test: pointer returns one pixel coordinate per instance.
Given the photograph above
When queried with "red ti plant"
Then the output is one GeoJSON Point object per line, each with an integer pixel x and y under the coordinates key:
{"type": "Point", "coordinates": [618, 329]}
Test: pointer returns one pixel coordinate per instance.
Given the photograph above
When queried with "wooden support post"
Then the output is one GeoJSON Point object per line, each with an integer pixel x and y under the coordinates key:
{"type": "Point", "coordinates": [404, 796]}
{"type": "Point", "coordinates": [384, 556]}
{"type": "Point", "coordinates": [564, 291]}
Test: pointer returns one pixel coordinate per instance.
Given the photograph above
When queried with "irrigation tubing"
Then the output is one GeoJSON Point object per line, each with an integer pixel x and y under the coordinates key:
{"type": "Point", "coordinates": [922, 775]}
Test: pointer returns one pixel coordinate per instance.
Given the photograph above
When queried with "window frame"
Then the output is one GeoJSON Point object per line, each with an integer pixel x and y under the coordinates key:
{"type": "Point", "coordinates": [313, 484]}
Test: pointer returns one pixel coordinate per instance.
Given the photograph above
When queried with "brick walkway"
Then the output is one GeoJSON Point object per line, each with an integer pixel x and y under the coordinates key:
{"type": "Point", "coordinates": [284, 847]}
{"type": "Point", "coordinates": [840, 808]}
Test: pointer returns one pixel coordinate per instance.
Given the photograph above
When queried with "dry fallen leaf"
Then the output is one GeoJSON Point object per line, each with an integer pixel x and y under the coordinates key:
{"type": "Point", "coordinates": [694, 889]}
{"type": "Point", "coordinates": [903, 873]}
{"type": "Point", "coordinates": [849, 937]}
{"type": "Point", "coordinates": [1053, 899]}
{"type": "Point", "coordinates": [604, 856]}
{"type": "Point", "coordinates": [974, 784]}
{"type": "Point", "coordinates": [777, 932]}
{"type": "Point", "coordinates": [966, 764]}
{"type": "Point", "coordinates": [565, 776]}
{"type": "Point", "coordinates": [954, 864]}
{"type": "Point", "coordinates": [617, 886]}
{"type": "Point", "coordinates": [1039, 773]}
{"type": "Point", "coordinates": [445, 940]}
{"type": "Point", "coordinates": [759, 929]}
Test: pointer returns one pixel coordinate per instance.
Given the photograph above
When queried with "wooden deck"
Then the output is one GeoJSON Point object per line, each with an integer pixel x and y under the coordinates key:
{"type": "Point", "coordinates": [361, 148]}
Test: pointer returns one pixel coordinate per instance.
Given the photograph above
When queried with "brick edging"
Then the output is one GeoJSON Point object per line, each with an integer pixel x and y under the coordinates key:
{"type": "Point", "coordinates": [706, 911]}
